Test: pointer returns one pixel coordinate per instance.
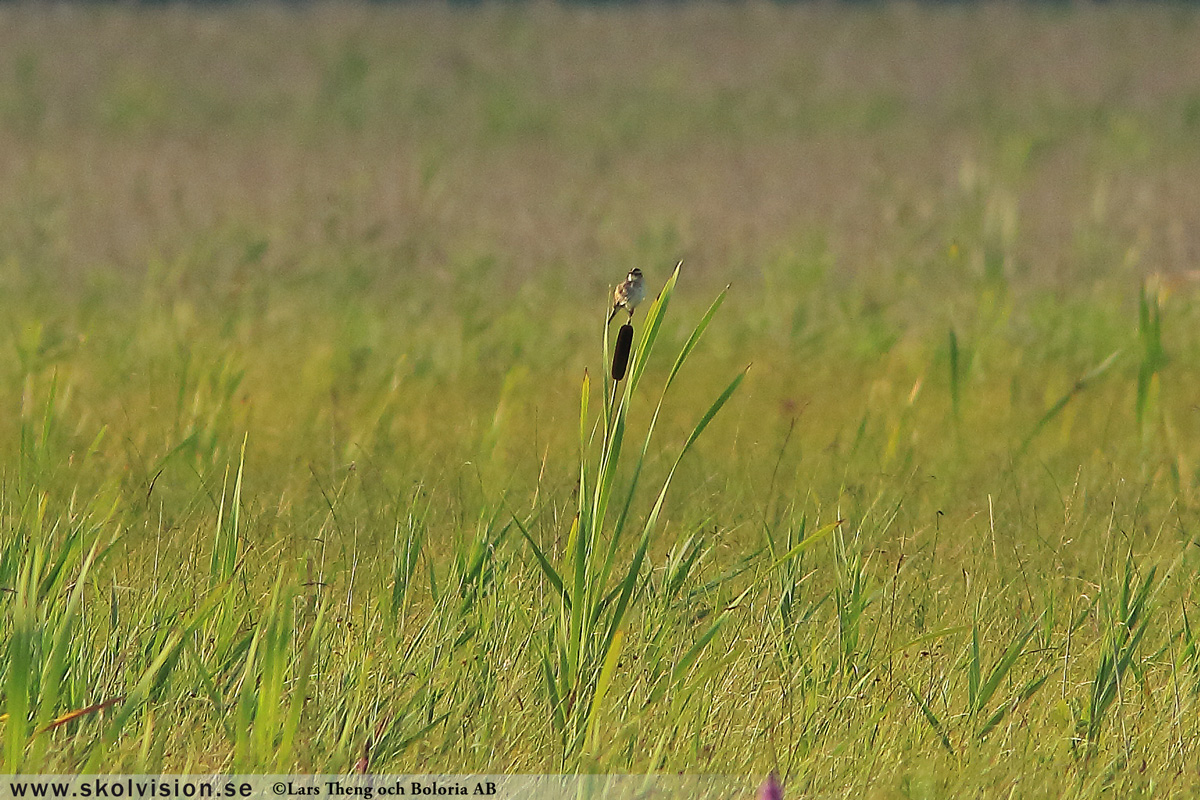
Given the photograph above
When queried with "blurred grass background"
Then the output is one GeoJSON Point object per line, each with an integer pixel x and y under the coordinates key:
{"type": "Point", "coordinates": [370, 248]}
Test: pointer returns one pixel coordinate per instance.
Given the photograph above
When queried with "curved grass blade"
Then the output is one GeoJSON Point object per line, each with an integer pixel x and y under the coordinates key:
{"type": "Point", "coordinates": [1055, 409]}
{"type": "Point", "coordinates": [930, 717]}
{"type": "Point", "coordinates": [693, 654]}
{"type": "Point", "coordinates": [547, 568]}
{"type": "Point", "coordinates": [1027, 692]}
{"type": "Point", "coordinates": [1002, 667]}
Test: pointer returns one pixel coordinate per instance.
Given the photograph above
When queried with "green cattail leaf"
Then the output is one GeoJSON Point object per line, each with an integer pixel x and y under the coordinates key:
{"type": "Point", "coordinates": [583, 414]}
{"type": "Point", "coordinates": [712, 412]}
{"type": "Point", "coordinates": [627, 585]}
{"type": "Point", "coordinates": [652, 519]}
{"type": "Point", "coordinates": [694, 338]}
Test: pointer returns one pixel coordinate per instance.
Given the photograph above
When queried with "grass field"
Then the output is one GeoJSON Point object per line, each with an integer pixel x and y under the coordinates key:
{"type": "Point", "coordinates": [299, 304]}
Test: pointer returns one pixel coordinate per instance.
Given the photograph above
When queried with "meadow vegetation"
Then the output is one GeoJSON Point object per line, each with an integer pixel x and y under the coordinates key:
{"type": "Point", "coordinates": [299, 307]}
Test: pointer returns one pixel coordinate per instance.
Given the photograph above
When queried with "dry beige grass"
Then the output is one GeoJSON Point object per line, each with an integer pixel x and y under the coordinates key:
{"type": "Point", "coordinates": [545, 136]}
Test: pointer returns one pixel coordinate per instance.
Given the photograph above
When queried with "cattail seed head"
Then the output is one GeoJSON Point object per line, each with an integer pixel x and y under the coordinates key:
{"type": "Point", "coordinates": [621, 353]}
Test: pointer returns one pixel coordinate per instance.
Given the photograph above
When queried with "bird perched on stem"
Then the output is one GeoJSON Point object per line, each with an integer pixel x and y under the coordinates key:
{"type": "Point", "coordinates": [631, 292]}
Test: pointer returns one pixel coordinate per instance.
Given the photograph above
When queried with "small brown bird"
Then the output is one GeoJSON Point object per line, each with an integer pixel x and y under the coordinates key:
{"type": "Point", "coordinates": [631, 292]}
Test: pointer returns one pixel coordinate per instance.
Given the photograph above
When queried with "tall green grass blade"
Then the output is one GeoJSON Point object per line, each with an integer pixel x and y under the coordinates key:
{"type": "Point", "coordinates": [1002, 667]}
{"type": "Point", "coordinates": [930, 717]}
{"type": "Point", "coordinates": [556, 706]}
{"type": "Point", "coordinates": [583, 416]}
{"type": "Point", "coordinates": [805, 544]}
{"type": "Point", "coordinates": [1028, 691]}
{"type": "Point", "coordinates": [547, 568]}
{"type": "Point", "coordinates": [154, 674]}
{"type": "Point", "coordinates": [1153, 355]}
{"type": "Point", "coordinates": [681, 668]}
{"type": "Point", "coordinates": [56, 662]}
{"type": "Point", "coordinates": [210, 688]}
{"type": "Point", "coordinates": [20, 663]}
{"type": "Point", "coordinates": [608, 667]}
{"type": "Point", "coordinates": [225, 544]}
{"type": "Point", "coordinates": [974, 670]}
{"type": "Point", "coordinates": [955, 377]}
{"type": "Point", "coordinates": [299, 692]}
{"type": "Point", "coordinates": [1054, 410]}
{"type": "Point", "coordinates": [276, 638]}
